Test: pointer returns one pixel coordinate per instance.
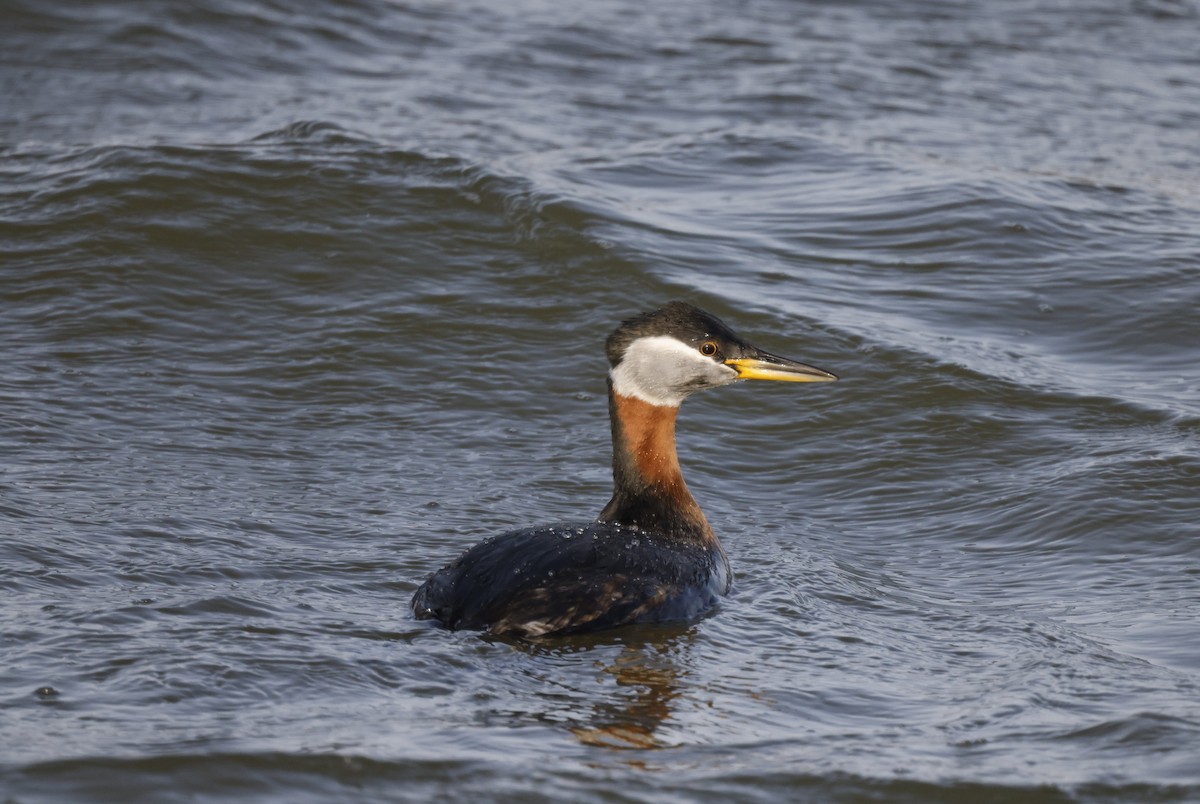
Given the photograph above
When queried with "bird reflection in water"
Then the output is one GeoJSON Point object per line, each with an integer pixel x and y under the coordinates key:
{"type": "Point", "coordinates": [647, 672]}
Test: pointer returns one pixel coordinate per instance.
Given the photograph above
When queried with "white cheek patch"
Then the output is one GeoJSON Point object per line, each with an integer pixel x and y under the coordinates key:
{"type": "Point", "coordinates": [662, 371]}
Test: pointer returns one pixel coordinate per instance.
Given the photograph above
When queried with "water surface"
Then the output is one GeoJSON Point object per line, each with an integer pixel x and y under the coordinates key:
{"type": "Point", "coordinates": [297, 302]}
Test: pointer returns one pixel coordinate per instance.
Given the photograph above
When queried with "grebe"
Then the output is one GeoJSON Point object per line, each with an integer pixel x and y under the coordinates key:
{"type": "Point", "coordinates": [650, 556]}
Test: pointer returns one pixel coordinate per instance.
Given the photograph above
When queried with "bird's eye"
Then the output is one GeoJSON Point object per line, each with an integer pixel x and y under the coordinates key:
{"type": "Point", "coordinates": [708, 348]}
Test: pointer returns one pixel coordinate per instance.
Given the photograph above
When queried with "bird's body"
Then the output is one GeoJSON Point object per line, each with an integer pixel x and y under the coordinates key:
{"type": "Point", "coordinates": [570, 578]}
{"type": "Point", "coordinates": [651, 555]}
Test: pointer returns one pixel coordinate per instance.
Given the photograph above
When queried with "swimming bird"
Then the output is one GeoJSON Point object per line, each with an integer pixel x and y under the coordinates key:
{"type": "Point", "coordinates": [650, 556]}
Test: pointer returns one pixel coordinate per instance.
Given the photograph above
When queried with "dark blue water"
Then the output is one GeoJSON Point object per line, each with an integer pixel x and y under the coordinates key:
{"type": "Point", "coordinates": [297, 302]}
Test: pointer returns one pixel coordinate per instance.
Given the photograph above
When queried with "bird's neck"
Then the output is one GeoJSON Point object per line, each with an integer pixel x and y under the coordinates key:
{"type": "Point", "coordinates": [648, 487]}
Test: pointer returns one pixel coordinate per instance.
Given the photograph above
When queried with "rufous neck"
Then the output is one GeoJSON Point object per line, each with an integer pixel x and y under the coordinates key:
{"type": "Point", "coordinates": [648, 486]}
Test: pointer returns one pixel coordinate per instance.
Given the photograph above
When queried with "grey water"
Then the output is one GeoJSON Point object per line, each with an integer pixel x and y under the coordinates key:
{"type": "Point", "coordinates": [297, 301]}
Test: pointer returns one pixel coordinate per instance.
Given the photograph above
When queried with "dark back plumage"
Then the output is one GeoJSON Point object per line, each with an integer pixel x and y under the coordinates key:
{"type": "Point", "coordinates": [563, 579]}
